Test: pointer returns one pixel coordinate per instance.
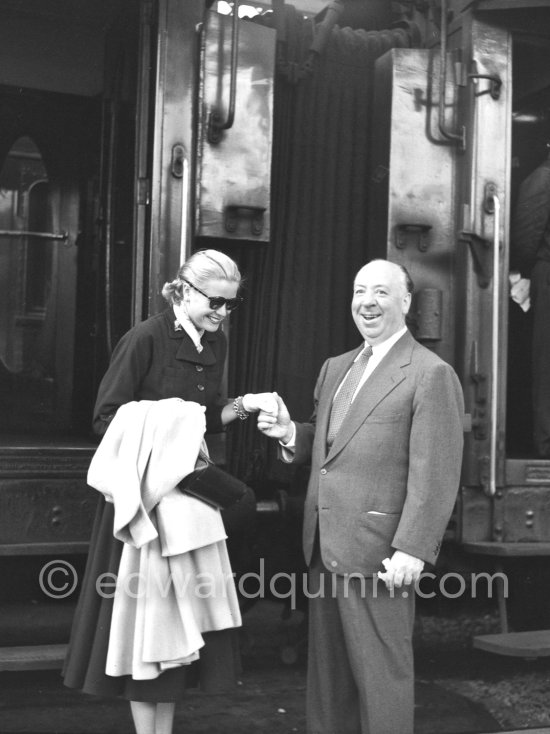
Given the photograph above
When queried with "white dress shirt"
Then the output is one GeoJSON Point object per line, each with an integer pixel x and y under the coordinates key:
{"type": "Point", "coordinates": [379, 351]}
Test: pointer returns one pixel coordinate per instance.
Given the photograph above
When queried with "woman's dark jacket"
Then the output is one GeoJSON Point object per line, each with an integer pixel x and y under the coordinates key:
{"type": "Point", "coordinates": [153, 361]}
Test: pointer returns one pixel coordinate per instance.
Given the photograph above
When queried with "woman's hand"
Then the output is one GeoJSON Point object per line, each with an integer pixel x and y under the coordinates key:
{"type": "Point", "coordinates": [266, 402]}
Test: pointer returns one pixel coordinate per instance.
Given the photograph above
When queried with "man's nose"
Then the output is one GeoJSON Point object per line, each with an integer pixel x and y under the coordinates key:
{"type": "Point", "coordinates": [367, 298]}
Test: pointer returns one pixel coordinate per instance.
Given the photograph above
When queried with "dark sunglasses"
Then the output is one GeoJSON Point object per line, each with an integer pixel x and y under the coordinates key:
{"type": "Point", "coordinates": [216, 302]}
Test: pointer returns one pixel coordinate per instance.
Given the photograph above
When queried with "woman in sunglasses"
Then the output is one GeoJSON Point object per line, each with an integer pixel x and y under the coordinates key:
{"type": "Point", "coordinates": [178, 353]}
{"type": "Point", "coordinates": [181, 351]}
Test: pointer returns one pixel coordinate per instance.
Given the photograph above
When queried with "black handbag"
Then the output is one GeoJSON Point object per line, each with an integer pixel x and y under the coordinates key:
{"type": "Point", "coordinates": [214, 486]}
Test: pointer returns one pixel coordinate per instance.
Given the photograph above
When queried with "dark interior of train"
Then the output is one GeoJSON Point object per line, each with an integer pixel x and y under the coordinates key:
{"type": "Point", "coordinates": [67, 108]}
{"type": "Point", "coordinates": [60, 110]}
{"type": "Point", "coordinates": [530, 147]}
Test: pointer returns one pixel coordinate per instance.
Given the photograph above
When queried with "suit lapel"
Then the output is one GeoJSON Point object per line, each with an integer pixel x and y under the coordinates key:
{"type": "Point", "coordinates": [387, 375]}
{"type": "Point", "coordinates": [332, 381]}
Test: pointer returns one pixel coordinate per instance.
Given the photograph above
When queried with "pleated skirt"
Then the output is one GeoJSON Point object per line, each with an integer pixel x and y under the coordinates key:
{"type": "Point", "coordinates": [216, 671]}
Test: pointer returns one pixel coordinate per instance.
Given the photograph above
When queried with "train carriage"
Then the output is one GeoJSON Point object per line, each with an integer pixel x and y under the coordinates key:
{"type": "Point", "coordinates": [303, 139]}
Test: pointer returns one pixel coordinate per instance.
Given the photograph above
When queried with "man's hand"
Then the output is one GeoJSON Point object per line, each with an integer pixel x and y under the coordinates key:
{"type": "Point", "coordinates": [276, 425]}
{"type": "Point", "coordinates": [265, 402]}
{"type": "Point", "coordinates": [401, 569]}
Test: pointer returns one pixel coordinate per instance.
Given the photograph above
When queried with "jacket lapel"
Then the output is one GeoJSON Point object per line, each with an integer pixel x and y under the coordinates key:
{"type": "Point", "coordinates": [333, 380]}
{"type": "Point", "coordinates": [186, 350]}
{"type": "Point", "coordinates": [387, 375]}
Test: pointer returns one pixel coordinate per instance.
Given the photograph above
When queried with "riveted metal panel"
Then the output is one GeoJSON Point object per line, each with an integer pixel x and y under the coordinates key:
{"type": "Point", "coordinates": [45, 510]}
{"type": "Point", "coordinates": [173, 143]}
{"type": "Point", "coordinates": [526, 514]}
{"type": "Point", "coordinates": [44, 499]}
{"type": "Point", "coordinates": [413, 185]}
{"type": "Point", "coordinates": [233, 186]}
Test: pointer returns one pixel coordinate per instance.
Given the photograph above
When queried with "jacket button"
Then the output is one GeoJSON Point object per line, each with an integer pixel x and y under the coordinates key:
{"type": "Point", "coordinates": [333, 564]}
{"type": "Point", "coordinates": [200, 387]}
{"type": "Point", "coordinates": [199, 367]}
{"type": "Point", "coordinates": [323, 471]}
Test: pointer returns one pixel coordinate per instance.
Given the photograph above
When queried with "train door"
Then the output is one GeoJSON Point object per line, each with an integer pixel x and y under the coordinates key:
{"type": "Point", "coordinates": [42, 138]}
{"type": "Point", "coordinates": [482, 231]}
{"type": "Point", "coordinates": [477, 120]}
{"type": "Point", "coordinates": [448, 164]}
{"type": "Point", "coordinates": [503, 502]}
{"type": "Point", "coordinates": [504, 116]}
{"type": "Point", "coordinates": [98, 174]}
{"type": "Point", "coordinates": [67, 117]}
{"type": "Point", "coordinates": [38, 272]}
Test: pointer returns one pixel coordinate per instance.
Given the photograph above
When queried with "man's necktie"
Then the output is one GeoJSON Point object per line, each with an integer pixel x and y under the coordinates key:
{"type": "Point", "coordinates": [342, 401]}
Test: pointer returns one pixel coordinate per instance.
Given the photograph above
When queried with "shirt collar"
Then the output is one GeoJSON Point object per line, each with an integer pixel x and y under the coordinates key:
{"type": "Point", "coordinates": [184, 322]}
{"type": "Point", "coordinates": [380, 350]}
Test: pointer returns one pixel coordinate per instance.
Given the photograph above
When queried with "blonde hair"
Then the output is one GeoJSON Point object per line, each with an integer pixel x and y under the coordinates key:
{"type": "Point", "coordinates": [201, 267]}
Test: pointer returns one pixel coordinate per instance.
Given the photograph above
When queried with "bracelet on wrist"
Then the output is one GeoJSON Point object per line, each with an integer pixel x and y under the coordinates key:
{"type": "Point", "coordinates": [239, 409]}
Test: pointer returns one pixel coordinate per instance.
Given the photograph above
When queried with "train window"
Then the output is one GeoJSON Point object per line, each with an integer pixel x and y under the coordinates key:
{"type": "Point", "coordinates": [28, 277]}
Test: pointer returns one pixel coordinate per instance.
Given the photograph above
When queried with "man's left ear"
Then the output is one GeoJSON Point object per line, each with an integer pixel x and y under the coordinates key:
{"type": "Point", "coordinates": [407, 303]}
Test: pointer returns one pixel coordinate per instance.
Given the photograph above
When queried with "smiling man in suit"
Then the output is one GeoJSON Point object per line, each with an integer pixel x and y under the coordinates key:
{"type": "Point", "coordinates": [385, 444]}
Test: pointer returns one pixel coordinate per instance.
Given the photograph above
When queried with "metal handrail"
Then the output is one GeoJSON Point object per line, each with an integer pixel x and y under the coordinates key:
{"type": "Point", "coordinates": [495, 352]}
{"type": "Point", "coordinates": [215, 123]}
{"type": "Point", "coordinates": [450, 137]}
{"type": "Point", "coordinates": [63, 236]}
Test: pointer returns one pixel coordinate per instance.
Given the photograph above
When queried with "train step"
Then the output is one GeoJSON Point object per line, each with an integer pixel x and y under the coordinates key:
{"type": "Point", "coordinates": [32, 657]}
{"type": "Point", "coordinates": [530, 644]}
{"type": "Point", "coordinates": [510, 550]}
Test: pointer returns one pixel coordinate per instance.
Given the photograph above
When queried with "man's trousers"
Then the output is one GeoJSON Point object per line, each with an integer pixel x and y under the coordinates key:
{"type": "Point", "coordinates": [360, 659]}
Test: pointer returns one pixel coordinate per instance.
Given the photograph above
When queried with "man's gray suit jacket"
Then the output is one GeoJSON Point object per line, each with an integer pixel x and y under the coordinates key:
{"type": "Point", "coordinates": [390, 479]}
